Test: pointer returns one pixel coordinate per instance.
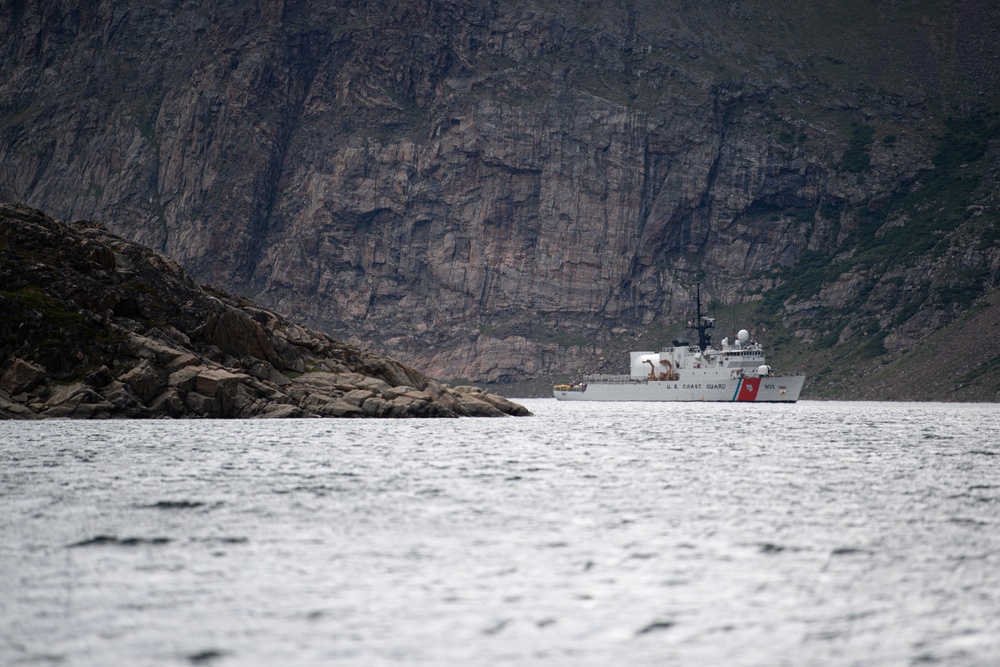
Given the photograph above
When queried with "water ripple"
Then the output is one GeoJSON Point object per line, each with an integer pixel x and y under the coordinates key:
{"type": "Point", "coordinates": [810, 534]}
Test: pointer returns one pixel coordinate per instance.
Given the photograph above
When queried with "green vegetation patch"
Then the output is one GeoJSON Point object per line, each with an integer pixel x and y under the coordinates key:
{"type": "Point", "coordinates": [939, 204]}
{"type": "Point", "coordinates": [857, 159]}
{"type": "Point", "coordinates": [984, 371]}
{"type": "Point", "coordinates": [965, 288]}
{"type": "Point", "coordinates": [52, 311]}
{"type": "Point", "coordinates": [807, 278]}
{"type": "Point", "coordinates": [914, 222]}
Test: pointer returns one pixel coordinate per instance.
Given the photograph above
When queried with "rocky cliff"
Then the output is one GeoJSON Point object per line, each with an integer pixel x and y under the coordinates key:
{"type": "Point", "coordinates": [95, 326]}
{"type": "Point", "coordinates": [508, 191]}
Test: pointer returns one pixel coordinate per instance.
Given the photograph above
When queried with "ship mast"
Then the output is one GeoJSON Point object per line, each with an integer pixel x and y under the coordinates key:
{"type": "Point", "coordinates": [703, 324]}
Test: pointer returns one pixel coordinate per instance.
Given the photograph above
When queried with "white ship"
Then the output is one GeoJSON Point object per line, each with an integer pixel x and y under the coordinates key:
{"type": "Point", "coordinates": [730, 372]}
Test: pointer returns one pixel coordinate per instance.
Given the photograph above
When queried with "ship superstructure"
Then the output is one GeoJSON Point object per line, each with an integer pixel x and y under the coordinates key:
{"type": "Point", "coordinates": [731, 371]}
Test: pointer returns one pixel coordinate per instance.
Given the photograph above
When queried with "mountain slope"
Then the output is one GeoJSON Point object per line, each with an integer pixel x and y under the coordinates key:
{"type": "Point", "coordinates": [507, 191]}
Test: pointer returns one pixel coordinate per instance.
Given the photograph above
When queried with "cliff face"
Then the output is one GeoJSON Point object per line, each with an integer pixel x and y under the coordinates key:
{"type": "Point", "coordinates": [502, 191]}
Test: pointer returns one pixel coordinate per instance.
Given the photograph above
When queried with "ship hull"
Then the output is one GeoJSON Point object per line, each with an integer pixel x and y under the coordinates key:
{"type": "Point", "coordinates": [783, 389]}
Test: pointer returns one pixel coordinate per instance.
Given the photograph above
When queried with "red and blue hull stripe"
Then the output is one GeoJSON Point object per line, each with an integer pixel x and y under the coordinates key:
{"type": "Point", "coordinates": [746, 389]}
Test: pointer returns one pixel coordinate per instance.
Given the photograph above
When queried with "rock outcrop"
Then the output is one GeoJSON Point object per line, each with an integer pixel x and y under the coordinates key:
{"type": "Point", "coordinates": [93, 326]}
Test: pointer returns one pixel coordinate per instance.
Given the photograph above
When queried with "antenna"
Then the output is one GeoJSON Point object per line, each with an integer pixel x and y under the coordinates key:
{"type": "Point", "coordinates": [703, 324]}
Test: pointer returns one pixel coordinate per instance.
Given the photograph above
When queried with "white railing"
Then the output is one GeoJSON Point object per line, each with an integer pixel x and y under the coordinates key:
{"type": "Point", "coordinates": [613, 379]}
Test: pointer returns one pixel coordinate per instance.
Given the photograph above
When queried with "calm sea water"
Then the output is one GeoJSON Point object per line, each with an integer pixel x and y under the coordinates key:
{"type": "Point", "coordinates": [602, 534]}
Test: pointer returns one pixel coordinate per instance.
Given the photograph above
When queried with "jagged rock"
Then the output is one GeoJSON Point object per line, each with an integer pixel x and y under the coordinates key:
{"type": "Point", "coordinates": [201, 405]}
{"type": "Point", "coordinates": [61, 393]}
{"type": "Point", "coordinates": [297, 335]}
{"type": "Point", "coordinates": [375, 385]}
{"type": "Point", "coordinates": [168, 403]}
{"type": "Point", "coordinates": [415, 409]}
{"type": "Point", "coordinates": [185, 379]}
{"type": "Point", "coordinates": [258, 368]}
{"type": "Point", "coordinates": [473, 402]}
{"type": "Point", "coordinates": [99, 377]}
{"type": "Point", "coordinates": [420, 395]}
{"type": "Point", "coordinates": [449, 401]}
{"type": "Point", "coordinates": [343, 381]}
{"type": "Point", "coordinates": [215, 382]}
{"type": "Point", "coordinates": [102, 258]}
{"type": "Point", "coordinates": [327, 382]}
{"type": "Point", "coordinates": [146, 347]}
{"type": "Point", "coordinates": [315, 401]}
{"type": "Point", "coordinates": [78, 402]}
{"type": "Point", "coordinates": [236, 333]}
{"type": "Point", "coordinates": [504, 405]}
{"type": "Point", "coordinates": [12, 410]}
{"type": "Point", "coordinates": [341, 408]}
{"type": "Point", "coordinates": [374, 407]}
{"type": "Point", "coordinates": [145, 381]}
{"type": "Point", "coordinates": [123, 400]}
{"type": "Point", "coordinates": [402, 401]}
{"type": "Point", "coordinates": [182, 361]}
{"type": "Point", "coordinates": [229, 392]}
{"type": "Point", "coordinates": [357, 396]}
{"type": "Point", "coordinates": [21, 376]}
{"type": "Point", "coordinates": [15, 411]}
{"type": "Point", "coordinates": [392, 392]}
{"type": "Point", "coordinates": [279, 411]}
{"type": "Point", "coordinates": [239, 402]}
{"type": "Point", "coordinates": [217, 357]}
{"type": "Point", "coordinates": [473, 406]}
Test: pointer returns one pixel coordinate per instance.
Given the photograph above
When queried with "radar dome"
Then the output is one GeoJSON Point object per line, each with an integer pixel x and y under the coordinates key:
{"type": "Point", "coordinates": [743, 335]}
